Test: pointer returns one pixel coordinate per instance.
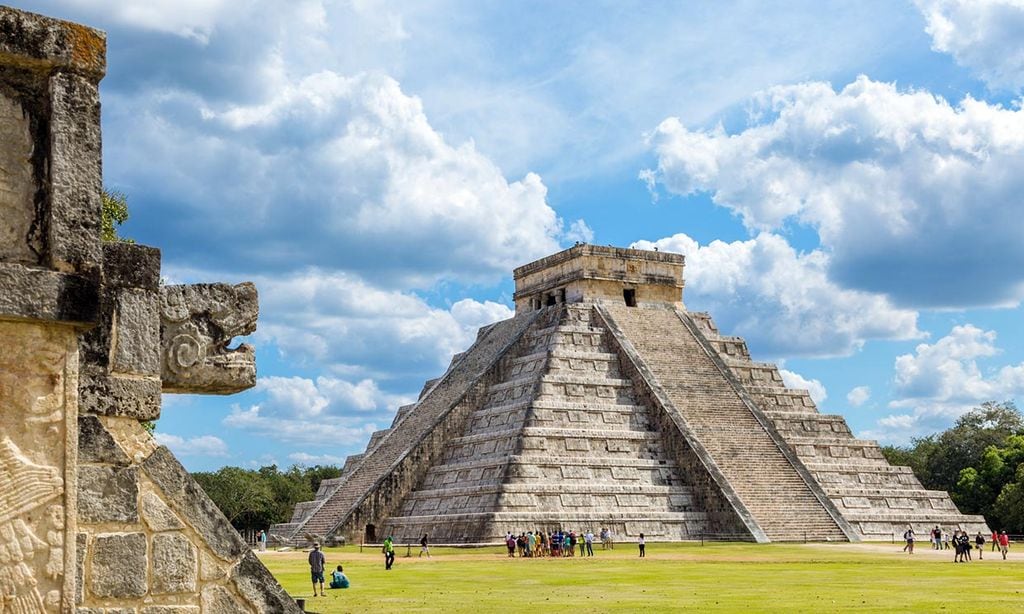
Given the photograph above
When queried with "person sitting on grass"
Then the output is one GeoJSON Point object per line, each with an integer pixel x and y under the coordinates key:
{"type": "Point", "coordinates": [339, 579]}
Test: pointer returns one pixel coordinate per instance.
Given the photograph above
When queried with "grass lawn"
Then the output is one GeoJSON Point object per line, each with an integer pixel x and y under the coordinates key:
{"type": "Point", "coordinates": [718, 577]}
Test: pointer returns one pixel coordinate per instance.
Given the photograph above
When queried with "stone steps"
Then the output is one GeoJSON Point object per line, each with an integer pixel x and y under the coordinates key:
{"type": "Point", "coordinates": [396, 446]}
{"type": "Point", "coordinates": [743, 450]}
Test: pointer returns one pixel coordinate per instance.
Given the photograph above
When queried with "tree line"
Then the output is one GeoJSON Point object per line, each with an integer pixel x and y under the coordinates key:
{"type": "Point", "coordinates": [254, 499]}
{"type": "Point", "coordinates": [979, 461]}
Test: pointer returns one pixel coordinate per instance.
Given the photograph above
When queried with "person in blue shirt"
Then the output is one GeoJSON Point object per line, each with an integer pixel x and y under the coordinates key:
{"type": "Point", "coordinates": [339, 579]}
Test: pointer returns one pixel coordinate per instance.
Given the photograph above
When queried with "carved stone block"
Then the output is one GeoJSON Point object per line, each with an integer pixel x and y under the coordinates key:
{"type": "Point", "coordinates": [96, 445]}
{"type": "Point", "coordinates": [136, 333]}
{"type": "Point", "coordinates": [175, 564]}
{"type": "Point", "coordinates": [119, 565]}
{"type": "Point", "coordinates": [158, 516]}
{"type": "Point", "coordinates": [108, 494]}
{"type": "Point", "coordinates": [218, 599]}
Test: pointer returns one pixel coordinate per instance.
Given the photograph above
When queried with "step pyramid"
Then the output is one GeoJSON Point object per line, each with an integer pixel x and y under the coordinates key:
{"type": "Point", "coordinates": [605, 404]}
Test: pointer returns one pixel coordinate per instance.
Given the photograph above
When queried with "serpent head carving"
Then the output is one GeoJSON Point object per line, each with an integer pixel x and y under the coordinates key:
{"type": "Point", "coordinates": [197, 324]}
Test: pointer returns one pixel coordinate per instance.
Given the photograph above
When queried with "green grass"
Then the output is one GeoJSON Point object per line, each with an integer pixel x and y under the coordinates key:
{"type": "Point", "coordinates": [718, 577]}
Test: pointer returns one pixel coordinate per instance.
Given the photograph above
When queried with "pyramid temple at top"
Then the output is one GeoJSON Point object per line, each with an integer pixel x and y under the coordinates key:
{"type": "Point", "coordinates": [604, 403]}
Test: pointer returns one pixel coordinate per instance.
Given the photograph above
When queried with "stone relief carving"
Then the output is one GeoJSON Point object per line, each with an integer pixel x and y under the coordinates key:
{"type": "Point", "coordinates": [24, 488]}
{"type": "Point", "coordinates": [197, 324]}
{"type": "Point", "coordinates": [32, 448]}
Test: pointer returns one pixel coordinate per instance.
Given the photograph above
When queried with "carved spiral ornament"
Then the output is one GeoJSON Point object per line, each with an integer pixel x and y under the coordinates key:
{"type": "Point", "coordinates": [184, 352]}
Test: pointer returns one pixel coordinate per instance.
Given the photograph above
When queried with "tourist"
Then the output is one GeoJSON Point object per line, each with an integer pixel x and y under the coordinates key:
{"type": "Point", "coordinates": [589, 539]}
{"type": "Point", "coordinates": [261, 540]}
{"type": "Point", "coordinates": [965, 541]}
{"type": "Point", "coordinates": [945, 540]}
{"type": "Point", "coordinates": [979, 543]}
{"type": "Point", "coordinates": [510, 542]}
{"type": "Point", "coordinates": [389, 553]}
{"type": "Point", "coordinates": [568, 545]}
{"type": "Point", "coordinates": [995, 540]}
{"type": "Point", "coordinates": [339, 579]}
{"type": "Point", "coordinates": [424, 548]}
{"type": "Point", "coordinates": [1004, 543]}
{"type": "Point", "coordinates": [316, 568]}
{"type": "Point", "coordinates": [581, 539]}
{"type": "Point", "coordinates": [936, 538]}
{"type": "Point", "coordinates": [908, 535]}
{"type": "Point", "coordinates": [958, 546]}
{"type": "Point", "coordinates": [611, 539]}
{"type": "Point", "coordinates": [642, 543]}
{"type": "Point", "coordinates": [604, 538]}
{"type": "Point", "coordinates": [531, 544]}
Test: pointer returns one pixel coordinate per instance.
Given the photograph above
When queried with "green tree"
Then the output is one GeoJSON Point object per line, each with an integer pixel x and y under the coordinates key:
{"type": "Point", "coordinates": [256, 499]}
{"type": "Point", "coordinates": [115, 213]}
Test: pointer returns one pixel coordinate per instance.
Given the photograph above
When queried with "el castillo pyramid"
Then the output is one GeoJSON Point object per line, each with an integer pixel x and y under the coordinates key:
{"type": "Point", "coordinates": [604, 403]}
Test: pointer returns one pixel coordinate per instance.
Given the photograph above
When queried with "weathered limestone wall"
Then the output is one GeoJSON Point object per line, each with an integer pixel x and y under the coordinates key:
{"type": "Point", "coordinates": [95, 517]}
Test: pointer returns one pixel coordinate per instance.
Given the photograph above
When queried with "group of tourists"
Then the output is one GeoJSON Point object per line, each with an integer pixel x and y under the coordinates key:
{"type": "Point", "coordinates": [959, 542]}
{"type": "Point", "coordinates": [317, 565]}
{"type": "Point", "coordinates": [556, 544]}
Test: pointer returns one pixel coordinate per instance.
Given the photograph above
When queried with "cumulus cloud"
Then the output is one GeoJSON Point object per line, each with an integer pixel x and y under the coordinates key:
{"type": "Point", "coordinates": [282, 427]}
{"type": "Point", "coordinates": [940, 381]}
{"type": "Point", "coordinates": [780, 300]}
{"type": "Point", "coordinates": [910, 196]}
{"type": "Point", "coordinates": [813, 386]}
{"type": "Point", "coordinates": [316, 411]}
{"type": "Point", "coordinates": [985, 36]}
{"type": "Point", "coordinates": [302, 458]}
{"type": "Point", "coordinates": [337, 172]}
{"type": "Point", "coordinates": [337, 320]}
{"type": "Point", "coordinates": [858, 396]}
{"type": "Point", "coordinates": [203, 445]}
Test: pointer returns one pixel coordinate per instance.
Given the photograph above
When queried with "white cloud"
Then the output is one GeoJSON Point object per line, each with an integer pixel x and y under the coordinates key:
{"type": "Point", "coordinates": [858, 396]}
{"type": "Point", "coordinates": [905, 191]}
{"type": "Point", "coordinates": [782, 301]}
{"type": "Point", "coordinates": [986, 36]}
{"type": "Point", "coordinates": [940, 381]}
{"type": "Point", "coordinates": [339, 320]}
{"type": "Point", "coordinates": [343, 432]}
{"type": "Point", "coordinates": [946, 373]}
{"type": "Point", "coordinates": [303, 458]}
{"type": "Point", "coordinates": [203, 445]}
{"type": "Point", "coordinates": [306, 398]}
{"type": "Point", "coordinates": [813, 386]}
{"type": "Point", "coordinates": [326, 410]}
{"type": "Point", "coordinates": [336, 172]}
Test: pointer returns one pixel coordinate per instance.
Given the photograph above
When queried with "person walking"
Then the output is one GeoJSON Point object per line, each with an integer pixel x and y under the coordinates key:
{"type": "Point", "coordinates": [642, 543]}
{"type": "Point", "coordinates": [1004, 544]}
{"type": "Point", "coordinates": [316, 568]}
{"type": "Point", "coordinates": [389, 553]}
{"type": "Point", "coordinates": [263, 541]}
{"type": "Point", "coordinates": [908, 535]}
{"type": "Point", "coordinates": [995, 540]}
{"type": "Point", "coordinates": [979, 543]}
{"type": "Point", "coordinates": [424, 548]}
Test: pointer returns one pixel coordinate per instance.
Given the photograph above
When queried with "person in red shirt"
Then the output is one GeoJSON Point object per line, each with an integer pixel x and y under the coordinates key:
{"type": "Point", "coordinates": [1004, 543]}
{"type": "Point", "coordinates": [995, 540]}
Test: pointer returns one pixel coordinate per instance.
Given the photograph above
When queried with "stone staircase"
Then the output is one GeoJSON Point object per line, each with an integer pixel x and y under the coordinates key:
{"type": "Point", "coordinates": [877, 499]}
{"type": "Point", "coordinates": [375, 482]}
{"type": "Point", "coordinates": [560, 442]}
{"type": "Point", "coordinates": [750, 457]}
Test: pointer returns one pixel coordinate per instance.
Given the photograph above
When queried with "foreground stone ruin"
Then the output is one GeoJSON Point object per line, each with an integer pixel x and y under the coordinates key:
{"type": "Point", "coordinates": [95, 516]}
{"type": "Point", "coordinates": [604, 403]}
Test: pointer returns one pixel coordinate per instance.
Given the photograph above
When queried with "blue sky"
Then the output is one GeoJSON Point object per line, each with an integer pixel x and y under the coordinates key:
{"type": "Point", "coordinates": [844, 179]}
